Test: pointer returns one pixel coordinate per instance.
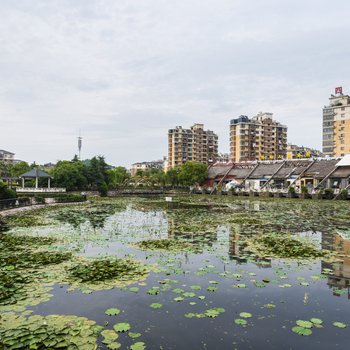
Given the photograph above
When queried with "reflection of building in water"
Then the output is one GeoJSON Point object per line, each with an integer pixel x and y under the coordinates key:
{"type": "Point", "coordinates": [341, 270]}
{"type": "Point", "coordinates": [194, 237]}
{"type": "Point", "coordinates": [236, 246]}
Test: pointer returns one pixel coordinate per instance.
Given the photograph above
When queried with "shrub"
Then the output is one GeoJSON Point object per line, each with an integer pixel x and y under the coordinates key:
{"type": "Point", "coordinates": [343, 194]}
{"type": "Point", "coordinates": [304, 190]}
{"type": "Point", "coordinates": [103, 189]}
{"type": "Point", "coordinates": [291, 190]}
{"type": "Point", "coordinates": [328, 193]}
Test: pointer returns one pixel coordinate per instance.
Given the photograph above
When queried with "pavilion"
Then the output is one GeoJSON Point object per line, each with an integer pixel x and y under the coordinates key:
{"type": "Point", "coordinates": [37, 174]}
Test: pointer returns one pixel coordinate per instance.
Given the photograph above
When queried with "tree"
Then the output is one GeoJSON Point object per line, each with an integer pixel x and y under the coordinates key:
{"type": "Point", "coordinates": [19, 168]}
{"type": "Point", "coordinates": [96, 172]}
{"type": "Point", "coordinates": [172, 176]}
{"type": "Point", "coordinates": [117, 176]}
{"type": "Point", "coordinates": [69, 174]}
{"type": "Point", "coordinates": [193, 172]}
{"type": "Point", "coordinates": [5, 192]}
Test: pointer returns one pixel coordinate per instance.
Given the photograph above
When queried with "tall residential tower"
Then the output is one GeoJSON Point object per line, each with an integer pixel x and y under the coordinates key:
{"type": "Point", "coordinates": [336, 125]}
{"type": "Point", "coordinates": [194, 144]}
{"type": "Point", "coordinates": [257, 138]}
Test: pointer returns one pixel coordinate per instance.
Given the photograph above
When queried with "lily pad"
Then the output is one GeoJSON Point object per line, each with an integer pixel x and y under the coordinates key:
{"type": "Point", "coordinates": [121, 327]}
{"type": "Point", "coordinates": [340, 324]}
{"type": "Point", "coordinates": [156, 305]}
{"type": "Point", "coordinates": [240, 322]}
{"type": "Point", "coordinates": [112, 312]}
{"type": "Point", "coordinates": [301, 330]}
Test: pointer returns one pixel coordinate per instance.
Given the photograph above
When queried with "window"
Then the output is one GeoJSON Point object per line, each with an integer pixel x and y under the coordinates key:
{"type": "Point", "coordinates": [327, 129]}
{"type": "Point", "coordinates": [342, 148]}
{"type": "Point", "coordinates": [343, 108]}
{"type": "Point", "coordinates": [342, 115]}
{"type": "Point", "coordinates": [342, 142]}
{"type": "Point", "coordinates": [343, 121]}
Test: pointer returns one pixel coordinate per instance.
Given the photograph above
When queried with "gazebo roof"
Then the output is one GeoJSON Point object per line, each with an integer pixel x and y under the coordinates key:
{"type": "Point", "coordinates": [34, 173]}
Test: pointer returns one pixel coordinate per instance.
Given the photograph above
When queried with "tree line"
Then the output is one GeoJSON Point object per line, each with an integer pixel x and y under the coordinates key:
{"type": "Point", "coordinates": [96, 174]}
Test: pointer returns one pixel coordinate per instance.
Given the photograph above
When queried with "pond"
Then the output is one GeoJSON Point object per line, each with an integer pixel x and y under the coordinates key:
{"type": "Point", "coordinates": [202, 272]}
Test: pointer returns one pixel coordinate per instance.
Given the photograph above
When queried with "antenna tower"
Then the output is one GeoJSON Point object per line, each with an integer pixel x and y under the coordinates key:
{"type": "Point", "coordinates": [80, 142]}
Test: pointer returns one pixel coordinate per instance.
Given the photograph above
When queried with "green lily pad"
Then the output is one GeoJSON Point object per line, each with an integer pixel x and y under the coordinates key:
{"type": "Point", "coordinates": [156, 305]}
{"type": "Point", "coordinates": [245, 315]}
{"type": "Point", "coordinates": [304, 324]}
{"type": "Point", "coordinates": [122, 327]}
{"type": "Point", "coordinates": [301, 330]}
{"type": "Point", "coordinates": [134, 335]}
{"type": "Point", "coordinates": [138, 346]}
{"type": "Point", "coordinates": [112, 312]}
{"type": "Point", "coordinates": [195, 287]}
{"type": "Point", "coordinates": [240, 322]}
{"type": "Point", "coordinates": [317, 321]}
{"type": "Point", "coordinates": [340, 324]}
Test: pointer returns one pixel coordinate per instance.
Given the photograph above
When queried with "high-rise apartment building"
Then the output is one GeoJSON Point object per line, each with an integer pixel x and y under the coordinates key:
{"type": "Point", "coordinates": [336, 125]}
{"type": "Point", "coordinates": [194, 144]}
{"type": "Point", "coordinates": [257, 138]}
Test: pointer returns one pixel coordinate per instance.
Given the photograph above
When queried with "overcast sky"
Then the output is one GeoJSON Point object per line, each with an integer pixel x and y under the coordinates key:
{"type": "Point", "coordinates": [125, 71]}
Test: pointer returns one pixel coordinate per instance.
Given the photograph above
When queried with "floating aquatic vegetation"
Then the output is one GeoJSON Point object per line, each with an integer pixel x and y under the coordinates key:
{"type": "Point", "coordinates": [123, 271]}
{"type": "Point", "coordinates": [110, 337]}
{"type": "Point", "coordinates": [50, 332]}
{"type": "Point", "coordinates": [134, 335]}
{"type": "Point", "coordinates": [164, 244]}
{"type": "Point", "coordinates": [156, 305]}
{"type": "Point", "coordinates": [340, 324]}
{"type": "Point", "coordinates": [122, 327]}
{"type": "Point", "coordinates": [31, 219]}
{"type": "Point", "coordinates": [138, 346]}
{"type": "Point", "coordinates": [240, 322]}
{"type": "Point", "coordinates": [283, 246]}
{"type": "Point", "coordinates": [12, 286]}
{"type": "Point", "coordinates": [112, 311]}
{"type": "Point", "coordinates": [245, 315]}
{"type": "Point", "coordinates": [301, 330]}
{"type": "Point", "coordinates": [3, 225]}
{"type": "Point", "coordinates": [32, 259]}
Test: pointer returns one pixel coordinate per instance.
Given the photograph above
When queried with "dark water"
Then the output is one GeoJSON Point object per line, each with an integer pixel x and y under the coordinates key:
{"type": "Point", "coordinates": [221, 255]}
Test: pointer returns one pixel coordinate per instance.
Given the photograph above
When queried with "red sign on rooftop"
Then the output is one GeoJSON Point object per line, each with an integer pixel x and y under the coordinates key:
{"type": "Point", "coordinates": [339, 90]}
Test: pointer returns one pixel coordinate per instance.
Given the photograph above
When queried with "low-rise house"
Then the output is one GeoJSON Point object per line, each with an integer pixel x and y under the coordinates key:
{"type": "Point", "coordinates": [311, 173]}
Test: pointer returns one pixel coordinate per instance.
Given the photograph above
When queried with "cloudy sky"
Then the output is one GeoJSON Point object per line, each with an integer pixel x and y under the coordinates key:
{"type": "Point", "coordinates": [125, 71]}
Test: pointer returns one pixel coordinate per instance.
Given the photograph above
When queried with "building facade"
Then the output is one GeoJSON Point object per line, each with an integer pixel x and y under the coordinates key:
{"type": "Point", "coordinates": [297, 152]}
{"type": "Point", "coordinates": [146, 166]}
{"type": "Point", "coordinates": [7, 156]}
{"type": "Point", "coordinates": [336, 125]}
{"type": "Point", "coordinates": [258, 138]}
{"type": "Point", "coordinates": [194, 144]}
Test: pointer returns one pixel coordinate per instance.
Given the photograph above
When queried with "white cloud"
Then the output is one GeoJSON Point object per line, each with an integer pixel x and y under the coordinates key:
{"type": "Point", "coordinates": [126, 71]}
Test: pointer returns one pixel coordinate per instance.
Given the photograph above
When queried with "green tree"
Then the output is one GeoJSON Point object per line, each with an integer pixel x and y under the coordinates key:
{"type": "Point", "coordinates": [69, 175]}
{"type": "Point", "coordinates": [19, 168]}
{"type": "Point", "coordinates": [117, 176]}
{"type": "Point", "coordinates": [193, 172]}
{"type": "Point", "coordinates": [172, 176]}
{"type": "Point", "coordinates": [5, 192]}
{"type": "Point", "coordinates": [96, 172]}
